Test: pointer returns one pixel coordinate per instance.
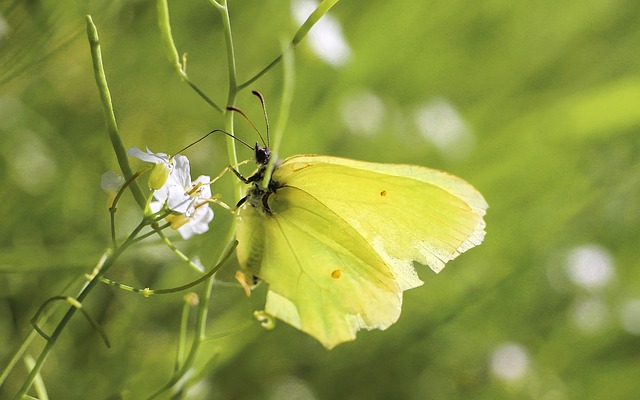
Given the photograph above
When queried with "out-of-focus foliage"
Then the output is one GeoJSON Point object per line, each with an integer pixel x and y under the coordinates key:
{"type": "Point", "coordinates": [536, 104]}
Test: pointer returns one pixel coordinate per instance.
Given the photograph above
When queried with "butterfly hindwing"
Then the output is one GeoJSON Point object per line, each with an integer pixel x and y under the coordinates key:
{"type": "Point", "coordinates": [324, 277]}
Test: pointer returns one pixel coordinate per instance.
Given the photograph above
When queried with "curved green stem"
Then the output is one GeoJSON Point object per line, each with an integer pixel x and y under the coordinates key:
{"type": "Point", "coordinates": [223, 9]}
{"type": "Point", "coordinates": [146, 292]}
{"type": "Point", "coordinates": [190, 300]}
{"type": "Point", "coordinates": [38, 382]}
{"type": "Point", "coordinates": [171, 51]}
{"type": "Point", "coordinates": [201, 323]}
{"type": "Point", "coordinates": [34, 334]}
{"type": "Point", "coordinates": [107, 108]}
{"type": "Point", "coordinates": [283, 116]}
{"type": "Point", "coordinates": [114, 205]}
{"type": "Point", "coordinates": [315, 16]}
{"type": "Point", "coordinates": [203, 310]}
{"type": "Point", "coordinates": [263, 70]}
{"type": "Point", "coordinates": [84, 292]}
{"type": "Point", "coordinates": [76, 304]}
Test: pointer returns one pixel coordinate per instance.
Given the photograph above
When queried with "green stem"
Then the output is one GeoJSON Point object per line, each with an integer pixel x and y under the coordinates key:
{"type": "Point", "coordinates": [167, 38]}
{"type": "Point", "coordinates": [184, 326]}
{"type": "Point", "coordinates": [203, 95]}
{"type": "Point", "coordinates": [146, 292]}
{"type": "Point", "coordinates": [114, 205]}
{"type": "Point", "coordinates": [34, 334]}
{"type": "Point", "coordinates": [203, 310]}
{"type": "Point", "coordinates": [223, 9]}
{"type": "Point", "coordinates": [201, 322]}
{"type": "Point", "coordinates": [38, 383]}
{"type": "Point", "coordinates": [283, 116]}
{"type": "Point", "coordinates": [171, 51]}
{"type": "Point", "coordinates": [84, 292]}
{"type": "Point", "coordinates": [74, 303]}
{"type": "Point", "coordinates": [156, 229]}
{"type": "Point", "coordinates": [315, 16]}
{"type": "Point", "coordinates": [263, 71]}
{"type": "Point", "coordinates": [107, 108]}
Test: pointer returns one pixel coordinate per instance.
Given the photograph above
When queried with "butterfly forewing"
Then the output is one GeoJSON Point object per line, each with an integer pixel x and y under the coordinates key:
{"type": "Point", "coordinates": [407, 213]}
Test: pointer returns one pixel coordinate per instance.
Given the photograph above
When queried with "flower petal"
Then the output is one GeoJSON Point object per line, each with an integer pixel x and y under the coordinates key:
{"type": "Point", "coordinates": [181, 172]}
{"type": "Point", "coordinates": [149, 156]}
{"type": "Point", "coordinates": [198, 224]}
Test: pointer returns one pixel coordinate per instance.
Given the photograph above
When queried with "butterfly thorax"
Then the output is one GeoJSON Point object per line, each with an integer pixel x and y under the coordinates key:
{"type": "Point", "coordinates": [259, 198]}
{"type": "Point", "coordinates": [256, 196]}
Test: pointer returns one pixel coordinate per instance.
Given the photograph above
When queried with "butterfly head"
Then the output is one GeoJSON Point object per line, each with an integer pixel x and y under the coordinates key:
{"type": "Point", "coordinates": [261, 154]}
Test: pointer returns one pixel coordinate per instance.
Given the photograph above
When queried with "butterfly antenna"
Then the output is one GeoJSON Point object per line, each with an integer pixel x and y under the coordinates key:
{"type": "Point", "coordinates": [239, 111]}
{"type": "Point", "coordinates": [214, 131]}
{"type": "Point", "coordinates": [264, 110]}
{"type": "Point", "coordinates": [234, 137]}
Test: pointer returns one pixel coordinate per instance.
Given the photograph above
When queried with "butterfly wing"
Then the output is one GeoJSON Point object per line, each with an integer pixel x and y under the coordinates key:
{"type": "Point", "coordinates": [324, 277]}
{"type": "Point", "coordinates": [407, 213]}
{"type": "Point", "coordinates": [338, 248]}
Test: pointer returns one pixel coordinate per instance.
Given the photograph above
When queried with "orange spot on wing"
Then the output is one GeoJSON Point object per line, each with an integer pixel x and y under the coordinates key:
{"type": "Point", "coordinates": [336, 274]}
{"type": "Point", "coordinates": [383, 193]}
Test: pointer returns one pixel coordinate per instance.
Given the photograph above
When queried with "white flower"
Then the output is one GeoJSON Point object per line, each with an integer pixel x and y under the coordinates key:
{"type": "Point", "coordinates": [174, 190]}
{"type": "Point", "coordinates": [188, 200]}
{"type": "Point", "coordinates": [160, 173]}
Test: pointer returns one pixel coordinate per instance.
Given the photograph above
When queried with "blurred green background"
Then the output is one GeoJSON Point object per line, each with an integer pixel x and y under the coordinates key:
{"type": "Point", "coordinates": [537, 104]}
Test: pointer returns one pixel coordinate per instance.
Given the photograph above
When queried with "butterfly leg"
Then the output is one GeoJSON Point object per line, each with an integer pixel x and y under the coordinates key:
{"type": "Point", "coordinates": [216, 200]}
{"type": "Point", "coordinates": [230, 168]}
{"type": "Point", "coordinates": [239, 175]}
{"type": "Point", "coordinates": [248, 281]}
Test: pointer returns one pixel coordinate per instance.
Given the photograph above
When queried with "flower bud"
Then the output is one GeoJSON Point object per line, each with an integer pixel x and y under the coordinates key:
{"type": "Point", "coordinates": [159, 175]}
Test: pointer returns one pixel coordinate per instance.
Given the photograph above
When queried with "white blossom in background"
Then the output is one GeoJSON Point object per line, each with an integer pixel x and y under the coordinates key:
{"type": "Point", "coordinates": [188, 200]}
{"type": "Point", "coordinates": [590, 315]}
{"type": "Point", "coordinates": [509, 361]}
{"type": "Point", "coordinates": [440, 123]}
{"type": "Point", "coordinates": [4, 28]}
{"type": "Point", "coordinates": [629, 314]}
{"type": "Point", "coordinates": [291, 388]}
{"type": "Point", "coordinates": [363, 113]}
{"type": "Point", "coordinates": [590, 267]}
{"type": "Point", "coordinates": [325, 38]}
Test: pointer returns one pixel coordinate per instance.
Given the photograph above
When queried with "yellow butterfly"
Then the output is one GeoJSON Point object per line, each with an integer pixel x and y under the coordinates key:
{"type": "Point", "coordinates": [335, 238]}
